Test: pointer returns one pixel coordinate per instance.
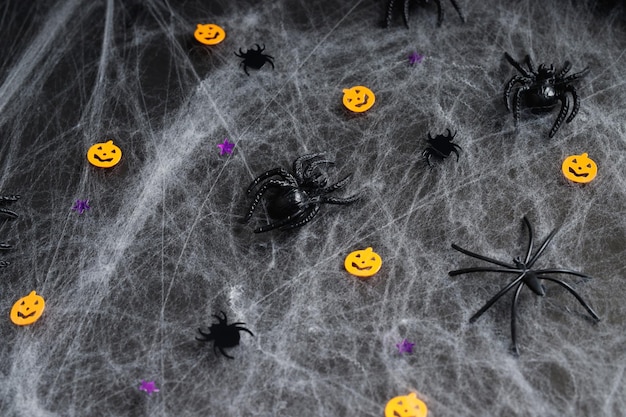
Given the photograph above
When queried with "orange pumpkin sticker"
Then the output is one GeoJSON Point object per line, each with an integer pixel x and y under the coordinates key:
{"type": "Point", "coordinates": [209, 34]}
{"type": "Point", "coordinates": [27, 310]}
{"type": "Point", "coordinates": [579, 168]}
{"type": "Point", "coordinates": [104, 155]}
{"type": "Point", "coordinates": [358, 99]}
{"type": "Point", "coordinates": [363, 263]}
{"type": "Point", "coordinates": [406, 406]}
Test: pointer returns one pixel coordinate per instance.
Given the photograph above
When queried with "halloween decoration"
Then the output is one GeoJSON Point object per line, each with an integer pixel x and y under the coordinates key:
{"type": "Point", "coordinates": [526, 275]}
{"type": "Point", "coordinates": [296, 198]}
{"type": "Point", "coordinates": [148, 387]}
{"type": "Point", "coordinates": [254, 58]}
{"type": "Point", "coordinates": [223, 335]}
{"type": "Point", "coordinates": [542, 89]}
{"type": "Point", "coordinates": [405, 14]}
{"type": "Point", "coordinates": [226, 147]}
{"type": "Point", "coordinates": [8, 214]}
{"type": "Point", "coordinates": [104, 155]}
{"type": "Point", "coordinates": [209, 34]}
{"type": "Point", "coordinates": [363, 263]}
{"type": "Point", "coordinates": [81, 206]}
{"type": "Point", "coordinates": [441, 147]}
{"type": "Point", "coordinates": [28, 309]}
{"type": "Point", "coordinates": [358, 98]}
{"type": "Point", "coordinates": [579, 168]}
{"type": "Point", "coordinates": [405, 346]}
{"type": "Point", "coordinates": [406, 406]}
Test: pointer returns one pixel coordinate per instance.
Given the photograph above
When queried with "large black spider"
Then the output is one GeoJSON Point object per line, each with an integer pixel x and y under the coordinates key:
{"type": "Point", "coordinates": [441, 147]}
{"type": "Point", "coordinates": [254, 58]}
{"type": "Point", "coordinates": [542, 89]}
{"type": "Point", "coordinates": [222, 334]}
{"type": "Point", "coordinates": [296, 198]}
{"type": "Point", "coordinates": [8, 214]}
{"type": "Point", "coordinates": [526, 275]}
{"type": "Point", "coordinates": [405, 14]}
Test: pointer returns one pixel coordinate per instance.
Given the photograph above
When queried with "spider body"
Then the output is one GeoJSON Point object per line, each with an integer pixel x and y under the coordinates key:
{"type": "Point", "coordinates": [405, 12]}
{"type": "Point", "coordinates": [254, 58]}
{"type": "Point", "coordinates": [526, 275]}
{"type": "Point", "coordinates": [542, 89]}
{"type": "Point", "coordinates": [8, 214]}
{"type": "Point", "coordinates": [294, 199]}
{"type": "Point", "coordinates": [441, 147]}
{"type": "Point", "coordinates": [222, 334]}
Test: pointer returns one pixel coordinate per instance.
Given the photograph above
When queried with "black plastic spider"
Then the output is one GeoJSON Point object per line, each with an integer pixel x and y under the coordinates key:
{"type": "Point", "coordinates": [223, 335]}
{"type": "Point", "coordinates": [441, 147]}
{"type": "Point", "coordinates": [254, 58]}
{"type": "Point", "coordinates": [526, 276]}
{"type": "Point", "coordinates": [8, 214]}
{"type": "Point", "coordinates": [405, 14]}
{"type": "Point", "coordinates": [542, 89]}
{"type": "Point", "coordinates": [295, 199]}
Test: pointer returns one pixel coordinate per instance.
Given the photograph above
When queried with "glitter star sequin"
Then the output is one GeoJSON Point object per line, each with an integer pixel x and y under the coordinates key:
{"type": "Point", "coordinates": [148, 386]}
{"type": "Point", "coordinates": [81, 205]}
{"type": "Point", "coordinates": [226, 147]}
{"type": "Point", "coordinates": [415, 58]}
{"type": "Point", "coordinates": [405, 347]}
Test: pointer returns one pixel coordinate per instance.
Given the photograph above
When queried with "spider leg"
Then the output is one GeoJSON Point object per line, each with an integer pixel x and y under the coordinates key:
{"type": "Point", "coordinates": [456, 153]}
{"type": "Point", "coordinates": [270, 61]}
{"type": "Point", "coordinates": [240, 54]}
{"type": "Point", "coordinates": [5, 246]}
{"type": "Point", "coordinates": [224, 353]}
{"type": "Point", "coordinates": [529, 63]}
{"type": "Point", "coordinates": [543, 247]}
{"type": "Point", "coordinates": [276, 171]}
{"type": "Point", "coordinates": [531, 240]}
{"type": "Point", "coordinates": [245, 69]}
{"type": "Point", "coordinates": [298, 168]}
{"type": "Point", "coordinates": [338, 185]}
{"type": "Point", "coordinates": [575, 76]}
{"type": "Point", "coordinates": [566, 67]}
{"type": "Point", "coordinates": [340, 201]}
{"type": "Point", "coordinates": [575, 294]}
{"type": "Point", "coordinates": [495, 298]}
{"type": "Point", "coordinates": [314, 165]}
{"type": "Point", "coordinates": [8, 213]}
{"type": "Point", "coordinates": [485, 269]}
{"type": "Point", "coordinates": [243, 329]}
{"type": "Point", "coordinates": [513, 320]}
{"type": "Point", "coordinates": [4, 264]}
{"type": "Point", "coordinates": [458, 10]}
{"type": "Point", "coordinates": [439, 13]}
{"type": "Point", "coordinates": [305, 217]}
{"type": "Point", "coordinates": [576, 103]}
{"type": "Point", "coordinates": [562, 271]}
{"type": "Point", "coordinates": [405, 13]}
{"type": "Point", "coordinates": [206, 336]}
{"type": "Point", "coordinates": [517, 103]}
{"type": "Point", "coordinates": [517, 65]}
{"type": "Point", "coordinates": [427, 154]}
{"type": "Point", "coordinates": [259, 194]}
{"type": "Point", "coordinates": [561, 116]}
{"type": "Point", "coordinates": [389, 13]}
{"type": "Point", "coordinates": [9, 198]}
{"type": "Point", "coordinates": [481, 257]}
{"type": "Point", "coordinates": [509, 87]}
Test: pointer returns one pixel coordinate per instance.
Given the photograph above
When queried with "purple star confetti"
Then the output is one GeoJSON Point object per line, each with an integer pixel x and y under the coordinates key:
{"type": "Point", "coordinates": [226, 147]}
{"type": "Point", "coordinates": [415, 57]}
{"type": "Point", "coordinates": [148, 386]}
{"type": "Point", "coordinates": [81, 205]}
{"type": "Point", "coordinates": [405, 347]}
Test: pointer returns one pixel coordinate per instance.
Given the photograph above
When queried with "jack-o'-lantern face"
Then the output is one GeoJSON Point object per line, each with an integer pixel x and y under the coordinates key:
{"type": "Point", "coordinates": [358, 99]}
{"type": "Point", "coordinates": [363, 263]}
{"type": "Point", "coordinates": [104, 155]}
{"type": "Point", "coordinates": [27, 309]}
{"type": "Point", "coordinates": [579, 168]}
{"type": "Point", "coordinates": [406, 406]}
{"type": "Point", "coordinates": [209, 34]}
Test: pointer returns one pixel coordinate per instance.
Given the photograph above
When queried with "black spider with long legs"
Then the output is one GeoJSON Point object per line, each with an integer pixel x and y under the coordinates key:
{"type": "Point", "coordinates": [526, 275]}
{"type": "Point", "coordinates": [542, 89]}
{"type": "Point", "coordinates": [295, 199]}
{"type": "Point", "coordinates": [405, 11]}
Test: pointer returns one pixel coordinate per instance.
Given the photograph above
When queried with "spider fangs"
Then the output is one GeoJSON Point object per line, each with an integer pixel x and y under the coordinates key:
{"type": "Point", "coordinates": [526, 275]}
{"type": "Point", "coordinates": [542, 89]}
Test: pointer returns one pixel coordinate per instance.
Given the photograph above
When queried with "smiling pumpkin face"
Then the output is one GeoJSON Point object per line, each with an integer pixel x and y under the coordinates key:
{"type": "Point", "coordinates": [27, 309]}
{"type": "Point", "coordinates": [406, 406]}
{"type": "Point", "coordinates": [104, 155]}
{"type": "Point", "coordinates": [358, 99]}
{"type": "Point", "coordinates": [209, 34]}
{"type": "Point", "coordinates": [363, 263]}
{"type": "Point", "coordinates": [579, 168]}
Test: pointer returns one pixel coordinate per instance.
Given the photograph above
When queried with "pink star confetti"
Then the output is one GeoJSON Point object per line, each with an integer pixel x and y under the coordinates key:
{"type": "Point", "coordinates": [226, 147]}
{"type": "Point", "coordinates": [405, 347]}
{"type": "Point", "coordinates": [81, 205]}
{"type": "Point", "coordinates": [415, 57]}
{"type": "Point", "coordinates": [148, 386]}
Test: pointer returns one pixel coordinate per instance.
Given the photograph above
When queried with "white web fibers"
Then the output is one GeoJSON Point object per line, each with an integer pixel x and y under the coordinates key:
{"type": "Point", "coordinates": [163, 247]}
